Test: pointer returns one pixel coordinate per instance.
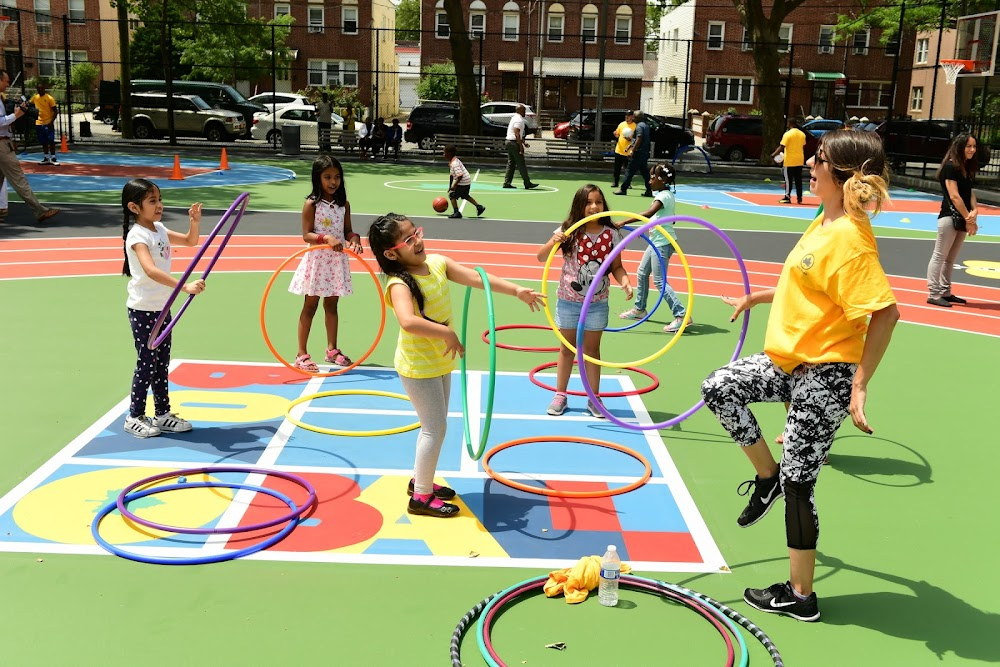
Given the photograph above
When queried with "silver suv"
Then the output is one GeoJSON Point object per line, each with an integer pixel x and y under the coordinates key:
{"type": "Point", "coordinates": [192, 117]}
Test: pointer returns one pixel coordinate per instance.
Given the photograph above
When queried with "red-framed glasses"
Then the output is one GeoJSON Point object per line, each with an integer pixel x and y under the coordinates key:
{"type": "Point", "coordinates": [409, 241]}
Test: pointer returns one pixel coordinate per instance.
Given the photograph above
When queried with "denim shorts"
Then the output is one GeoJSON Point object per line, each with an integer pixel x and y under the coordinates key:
{"type": "Point", "coordinates": [568, 315]}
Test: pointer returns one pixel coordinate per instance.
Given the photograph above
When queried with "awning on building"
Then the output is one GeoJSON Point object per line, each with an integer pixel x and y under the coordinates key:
{"type": "Point", "coordinates": [510, 66]}
{"type": "Point", "coordinates": [824, 76]}
{"type": "Point", "coordinates": [613, 69]}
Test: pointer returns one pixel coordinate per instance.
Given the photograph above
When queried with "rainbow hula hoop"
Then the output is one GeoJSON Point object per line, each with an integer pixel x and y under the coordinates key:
{"type": "Point", "coordinates": [614, 253]}
{"type": "Point", "coordinates": [484, 436]}
{"type": "Point", "coordinates": [263, 312]}
{"type": "Point", "coordinates": [156, 337]}
{"type": "Point", "coordinates": [687, 316]}
{"type": "Point", "coordinates": [663, 287]}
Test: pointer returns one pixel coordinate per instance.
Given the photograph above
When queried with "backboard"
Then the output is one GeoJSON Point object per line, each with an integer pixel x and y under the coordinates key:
{"type": "Point", "coordinates": [976, 42]}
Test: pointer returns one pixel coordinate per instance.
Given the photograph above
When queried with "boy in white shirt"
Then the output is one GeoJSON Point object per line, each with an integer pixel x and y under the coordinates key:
{"type": "Point", "coordinates": [459, 183]}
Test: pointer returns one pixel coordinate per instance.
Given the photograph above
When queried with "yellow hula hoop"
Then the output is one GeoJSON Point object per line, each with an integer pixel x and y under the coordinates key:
{"type": "Point", "coordinates": [687, 273]}
{"type": "Point", "coordinates": [348, 392]}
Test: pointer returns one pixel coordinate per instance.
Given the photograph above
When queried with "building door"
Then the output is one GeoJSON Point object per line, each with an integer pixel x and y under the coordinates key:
{"type": "Point", "coordinates": [820, 97]}
{"type": "Point", "coordinates": [552, 95]}
{"type": "Point", "coordinates": [509, 87]}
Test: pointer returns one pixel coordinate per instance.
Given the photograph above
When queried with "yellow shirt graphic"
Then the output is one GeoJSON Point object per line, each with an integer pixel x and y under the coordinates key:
{"type": "Point", "coordinates": [831, 281]}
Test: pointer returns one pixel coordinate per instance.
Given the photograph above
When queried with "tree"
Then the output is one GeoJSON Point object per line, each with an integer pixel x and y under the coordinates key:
{"type": "Point", "coordinates": [408, 21]}
{"type": "Point", "coordinates": [919, 15]}
{"type": "Point", "coordinates": [437, 82]}
{"type": "Point", "coordinates": [653, 14]}
{"type": "Point", "coordinates": [148, 48]}
{"type": "Point", "coordinates": [84, 75]}
{"type": "Point", "coordinates": [469, 115]}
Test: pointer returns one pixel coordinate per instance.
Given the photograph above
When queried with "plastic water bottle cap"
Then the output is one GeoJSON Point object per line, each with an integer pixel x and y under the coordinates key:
{"type": "Point", "coordinates": [612, 547]}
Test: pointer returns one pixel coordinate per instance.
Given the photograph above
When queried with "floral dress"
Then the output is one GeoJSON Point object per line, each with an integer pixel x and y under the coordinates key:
{"type": "Point", "coordinates": [324, 272]}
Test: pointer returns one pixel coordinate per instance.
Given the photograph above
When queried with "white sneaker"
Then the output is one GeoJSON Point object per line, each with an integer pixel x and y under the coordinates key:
{"type": "Point", "coordinates": [141, 427]}
{"type": "Point", "coordinates": [675, 326]}
{"type": "Point", "coordinates": [171, 423]}
{"type": "Point", "coordinates": [53, 160]}
{"type": "Point", "coordinates": [45, 160]}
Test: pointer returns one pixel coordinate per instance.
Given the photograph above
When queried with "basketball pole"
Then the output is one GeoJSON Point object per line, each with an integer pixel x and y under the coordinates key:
{"type": "Point", "coordinates": [895, 61]}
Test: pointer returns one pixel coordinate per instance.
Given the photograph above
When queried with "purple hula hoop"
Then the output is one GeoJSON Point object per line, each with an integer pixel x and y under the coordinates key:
{"type": "Point", "coordinates": [156, 336]}
{"type": "Point", "coordinates": [122, 501]}
{"type": "Point", "coordinates": [593, 288]}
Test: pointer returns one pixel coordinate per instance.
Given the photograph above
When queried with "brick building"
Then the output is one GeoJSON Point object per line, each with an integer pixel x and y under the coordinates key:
{"type": "Point", "coordinates": [706, 63]}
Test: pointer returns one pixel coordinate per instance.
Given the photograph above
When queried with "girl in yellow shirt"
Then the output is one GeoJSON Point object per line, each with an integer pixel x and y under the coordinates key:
{"type": "Point", "coordinates": [820, 351]}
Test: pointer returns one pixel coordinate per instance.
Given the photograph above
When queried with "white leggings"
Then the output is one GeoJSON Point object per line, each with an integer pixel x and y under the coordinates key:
{"type": "Point", "coordinates": [430, 399]}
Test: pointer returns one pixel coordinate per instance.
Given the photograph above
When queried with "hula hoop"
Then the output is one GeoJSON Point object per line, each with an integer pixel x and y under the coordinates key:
{"type": "Point", "coordinates": [556, 493]}
{"type": "Point", "coordinates": [663, 288]}
{"type": "Point", "coordinates": [263, 308]}
{"type": "Point", "coordinates": [619, 248]}
{"type": "Point", "coordinates": [609, 394]}
{"type": "Point", "coordinates": [484, 436]}
{"type": "Point", "coordinates": [195, 560]}
{"type": "Point", "coordinates": [518, 348]}
{"type": "Point", "coordinates": [156, 337]}
{"type": "Point", "coordinates": [122, 500]}
{"type": "Point", "coordinates": [349, 392]}
{"type": "Point", "coordinates": [590, 294]}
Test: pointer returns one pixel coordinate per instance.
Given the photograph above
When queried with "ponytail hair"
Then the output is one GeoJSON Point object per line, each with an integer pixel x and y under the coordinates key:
{"type": "Point", "coordinates": [133, 193]}
{"type": "Point", "coordinates": [383, 235]}
{"type": "Point", "coordinates": [857, 162]}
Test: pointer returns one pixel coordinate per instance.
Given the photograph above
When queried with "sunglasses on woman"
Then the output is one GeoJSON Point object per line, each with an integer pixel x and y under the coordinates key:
{"type": "Point", "coordinates": [410, 240]}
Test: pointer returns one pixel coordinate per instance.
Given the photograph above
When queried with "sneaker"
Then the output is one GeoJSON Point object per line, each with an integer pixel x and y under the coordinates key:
{"type": "Point", "coordinates": [765, 493]}
{"type": "Point", "coordinates": [781, 599]}
{"type": "Point", "coordinates": [620, 193]}
{"type": "Point", "coordinates": [480, 209]}
{"type": "Point", "coordinates": [430, 508]}
{"type": "Point", "coordinates": [53, 160]}
{"type": "Point", "coordinates": [647, 193]}
{"type": "Point", "coordinates": [785, 200]}
{"type": "Point", "coordinates": [939, 301]}
{"type": "Point", "coordinates": [557, 406]}
{"type": "Point", "coordinates": [440, 492]}
{"type": "Point", "coordinates": [594, 411]}
{"type": "Point", "coordinates": [510, 186]}
{"type": "Point", "coordinates": [45, 160]}
{"type": "Point", "coordinates": [633, 314]}
{"type": "Point", "coordinates": [951, 298]}
{"type": "Point", "coordinates": [141, 427]}
{"type": "Point", "coordinates": [530, 186]}
{"type": "Point", "coordinates": [171, 423]}
{"type": "Point", "coordinates": [800, 202]}
{"type": "Point", "coordinates": [675, 326]}
{"type": "Point", "coordinates": [455, 216]}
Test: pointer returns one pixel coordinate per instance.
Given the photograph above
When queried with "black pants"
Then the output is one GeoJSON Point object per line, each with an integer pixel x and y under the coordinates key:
{"type": "Point", "coordinates": [639, 164]}
{"type": "Point", "coordinates": [515, 158]}
{"type": "Point", "coordinates": [620, 161]}
{"type": "Point", "coordinates": [151, 366]}
{"type": "Point", "coordinates": [324, 136]}
{"type": "Point", "coordinates": [793, 174]}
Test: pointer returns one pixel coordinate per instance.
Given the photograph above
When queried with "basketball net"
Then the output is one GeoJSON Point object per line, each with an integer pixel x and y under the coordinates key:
{"type": "Point", "coordinates": [951, 70]}
{"type": "Point", "coordinates": [5, 22]}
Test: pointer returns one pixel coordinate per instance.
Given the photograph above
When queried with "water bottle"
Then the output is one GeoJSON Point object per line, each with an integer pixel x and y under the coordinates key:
{"type": "Point", "coordinates": [611, 565]}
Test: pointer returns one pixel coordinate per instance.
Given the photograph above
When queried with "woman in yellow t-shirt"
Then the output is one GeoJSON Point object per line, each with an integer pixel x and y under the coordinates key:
{"type": "Point", "coordinates": [820, 351]}
{"type": "Point", "coordinates": [418, 291]}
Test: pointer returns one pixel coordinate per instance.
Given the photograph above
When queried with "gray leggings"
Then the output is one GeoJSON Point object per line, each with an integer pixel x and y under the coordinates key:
{"type": "Point", "coordinates": [430, 399]}
{"type": "Point", "coordinates": [946, 248]}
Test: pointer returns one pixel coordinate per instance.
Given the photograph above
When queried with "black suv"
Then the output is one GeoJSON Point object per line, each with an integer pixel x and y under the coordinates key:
{"type": "Point", "coordinates": [667, 138]}
{"type": "Point", "coordinates": [427, 120]}
{"type": "Point", "coordinates": [921, 140]}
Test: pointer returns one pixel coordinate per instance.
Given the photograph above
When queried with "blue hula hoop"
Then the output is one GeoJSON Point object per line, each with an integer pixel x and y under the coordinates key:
{"type": "Point", "coordinates": [195, 560]}
{"type": "Point", "coordinates": [663, 287]}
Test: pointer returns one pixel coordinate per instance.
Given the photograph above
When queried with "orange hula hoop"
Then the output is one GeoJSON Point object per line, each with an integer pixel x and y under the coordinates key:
{"type": "Point", "coordinates": [263, 310]}
{"type": "Point", "coordinates": [556, 493]}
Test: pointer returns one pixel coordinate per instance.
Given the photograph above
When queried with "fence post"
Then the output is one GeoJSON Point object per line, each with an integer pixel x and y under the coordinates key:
{"type": "Point", "coordinates": [788, 81]}
{"type": "Point", "coordinates": [69, 75]}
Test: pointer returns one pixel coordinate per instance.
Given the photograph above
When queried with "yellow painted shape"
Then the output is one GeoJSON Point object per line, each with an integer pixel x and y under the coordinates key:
{"type": "Point", "coordinates": [228, 406]}
{"type": "Point", "coordinates": [62, 511]}
{"type": "Point", "coordinates": [981, 269]}
{"type": "Point", "coordinates": [444, 537]}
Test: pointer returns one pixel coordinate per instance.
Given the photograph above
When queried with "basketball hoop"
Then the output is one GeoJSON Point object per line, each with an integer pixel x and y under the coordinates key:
{"type": "Point", "coordinates": [953, 67]}
{"type": "Point", "coordinates": [5, 22]}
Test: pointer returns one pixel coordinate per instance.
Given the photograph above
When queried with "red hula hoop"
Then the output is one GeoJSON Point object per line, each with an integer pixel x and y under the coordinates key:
{"type": "Point", "coordinates": [610, 394]}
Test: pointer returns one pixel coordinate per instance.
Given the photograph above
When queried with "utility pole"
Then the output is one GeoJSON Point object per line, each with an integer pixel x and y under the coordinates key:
{"type": "Point", "coordinates": [603, 30]}
{"type": "Point", "coordinates": [895, 62]}
{"type": "Point", "coordinates": [541, 65]}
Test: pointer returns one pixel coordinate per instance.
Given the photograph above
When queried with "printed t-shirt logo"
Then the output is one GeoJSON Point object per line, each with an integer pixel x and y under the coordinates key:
{"type": "Point", "coordinates": [807, 262]}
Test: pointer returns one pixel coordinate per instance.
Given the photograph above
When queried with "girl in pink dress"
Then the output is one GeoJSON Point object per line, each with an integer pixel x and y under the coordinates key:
{"type": "Point", "coordinates": [326, 220]}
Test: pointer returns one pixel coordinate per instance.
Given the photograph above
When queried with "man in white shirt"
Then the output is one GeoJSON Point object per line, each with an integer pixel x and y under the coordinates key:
{"type": "Point", "coordinates": [515, 150]}
{"type": "Point", "coordinates": [10, 167]}
{"type": "Point", "coordinates": [324, 122]}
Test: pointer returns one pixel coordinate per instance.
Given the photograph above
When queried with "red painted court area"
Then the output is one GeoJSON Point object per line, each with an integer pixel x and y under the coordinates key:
{"type": "Point", "coordinates": [117, 170]}
{"type": "Point", "coordinates": [47, 258]}
{"type": "Point", "coordinates": [895, 205]}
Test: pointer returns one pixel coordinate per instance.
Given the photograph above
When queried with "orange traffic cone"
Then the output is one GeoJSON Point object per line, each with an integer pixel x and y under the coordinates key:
{"type": "Point", "coordinates": [224, 162]}
{"type": "Point", "coordinates": [176, 174]}
{"type": "Point", "coordinates": [64, 148]}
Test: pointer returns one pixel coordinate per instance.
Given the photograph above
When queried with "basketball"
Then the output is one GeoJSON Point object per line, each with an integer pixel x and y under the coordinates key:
{"type": "Point", "coordinates": [440, 204]}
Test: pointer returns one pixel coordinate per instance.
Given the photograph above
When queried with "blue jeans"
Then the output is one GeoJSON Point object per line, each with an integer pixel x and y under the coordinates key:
{"type": "Point", "coordinates": [650, 263]}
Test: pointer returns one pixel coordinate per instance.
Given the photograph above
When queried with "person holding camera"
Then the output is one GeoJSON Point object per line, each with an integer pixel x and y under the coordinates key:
{"type": "Point", "coordinates": [10, 168]}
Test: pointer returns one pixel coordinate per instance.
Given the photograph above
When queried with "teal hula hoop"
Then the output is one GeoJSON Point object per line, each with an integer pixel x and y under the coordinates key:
{"type": "Point", "coordinates": [476, 455]}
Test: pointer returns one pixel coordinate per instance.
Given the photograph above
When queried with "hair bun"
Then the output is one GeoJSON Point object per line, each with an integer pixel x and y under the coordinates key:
{"type": "Point", "coordinates": [862, 188]}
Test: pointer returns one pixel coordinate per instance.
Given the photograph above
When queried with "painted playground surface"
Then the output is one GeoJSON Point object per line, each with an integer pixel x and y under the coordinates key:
{"type": "Point", "coordinates": [238, 411]}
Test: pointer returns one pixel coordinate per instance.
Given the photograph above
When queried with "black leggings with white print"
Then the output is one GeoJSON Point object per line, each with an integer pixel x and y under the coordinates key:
{"type": "Point", "coordinates": [151, 366]}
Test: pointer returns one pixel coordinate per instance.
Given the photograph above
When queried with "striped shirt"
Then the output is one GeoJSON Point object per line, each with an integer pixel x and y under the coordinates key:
{"type": "Point", "coordinates": [417, 356]}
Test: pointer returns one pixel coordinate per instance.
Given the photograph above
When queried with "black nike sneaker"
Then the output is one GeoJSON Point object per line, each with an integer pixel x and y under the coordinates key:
{"type": "Point", "coordinates": [765, 492]}
{"type": "Point", "coordinates": [780, 599]}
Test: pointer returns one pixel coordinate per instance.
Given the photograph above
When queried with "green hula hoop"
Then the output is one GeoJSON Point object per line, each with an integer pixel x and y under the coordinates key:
{"type": "Point", "coordinates": [476, 455]}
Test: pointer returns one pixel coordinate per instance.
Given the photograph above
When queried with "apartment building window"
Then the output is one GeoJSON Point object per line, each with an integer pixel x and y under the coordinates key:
{"type": "Point", "coordinates": [716, 35]}
{"type": "Point", "coordinates": [868, 94]}
{"type": "Point", "coordinates": [672, 89]}
{"type": "Point", "coordinates": [349, 19]}
{"type": "Point", "coordinates": [826, 33]}
{"type": "Point", "coordinates": [892, 46]}
{"type": "Point", "coordinates": [43, 20]}
{"type": "Point", "coordinates": [612, 87]}
{"type": "Point", "coordinates": [729, 89]}
{"type": "Point", "coordinates": [317, 19]}
{"type": "Point", "coordinates": [52, 63]}
{"type": "Point", "coordinates": [588, 25]}
{"type": "Point", "coordinates": [556, 23]}
{"type": "Point", "coordinates": [441, 28]}
{"type": "Point", "coordinates": [511, 22]}
{"type": "Point", "coordinates": [333, 73]}
{"type": "Point", "coordinates": [623, 25]}
{"type": "Point", "coordinates": [77, 12]}
{"type": "Point", "coordinates": [477, 19]}
{"type": "Point", "coordinates": [282, 10]}
{"type": "Point", "coordinates": [923, 46]}
{"type": "Point", "coordinates": [747, 45]}
{"type": "Point", "coordinates": [917, 98]}
{"type": "Point", "coordinates": [859, 43]}
{"type": "Point", "coordinates": [785, 38]}
{"type": "Point", "coordinates": [677, 39]}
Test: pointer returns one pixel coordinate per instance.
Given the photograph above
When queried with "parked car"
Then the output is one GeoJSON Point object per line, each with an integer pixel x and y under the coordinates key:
{"type": "Point", "coordinates": [667, 137]}
{"type": "Point", "coordinates": [268, 126]}
{"type": "Point", "coordinates": [273, 102]}
{"type": "Point", "coordinates": [218, 96]}
{"type": "Point", "coordinates": [737, 138]}
{"type": "Point", "coordinates": [501, 113]}
{"type": "Point", "coordinates": [922, 140]}
{"type": "Point", "coordinates": [561, 130]}
{"type": "Point", "coordinates": [427, 120]}
{"type": "Point", "coordinates": [820, 126]}
{"type": "Point", "coordinates": [192, 117]}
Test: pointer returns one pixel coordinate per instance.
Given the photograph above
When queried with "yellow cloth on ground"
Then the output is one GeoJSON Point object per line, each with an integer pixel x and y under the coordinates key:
{"type": "Point", "coordinates": [577, 581]}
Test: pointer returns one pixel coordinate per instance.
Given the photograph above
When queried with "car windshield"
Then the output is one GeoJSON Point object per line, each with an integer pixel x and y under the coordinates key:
{"type": "Point", "coordinates": [200, 103]}
{"type": "Point", "coordinates": [235, 94]}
